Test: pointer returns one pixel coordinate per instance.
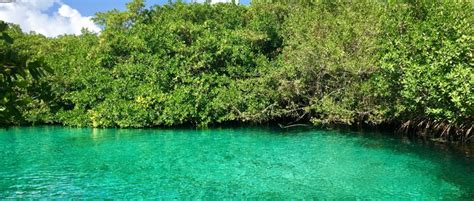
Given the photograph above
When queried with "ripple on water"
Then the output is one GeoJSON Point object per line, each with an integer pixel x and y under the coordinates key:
{"type": "Point", "coordinates": [56, 162]}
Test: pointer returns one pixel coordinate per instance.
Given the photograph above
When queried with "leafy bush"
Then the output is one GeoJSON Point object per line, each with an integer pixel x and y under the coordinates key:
{"type": "Point", "coordinates": [427, 61]}
{"type": "Point", "coordinates": [325, 62]}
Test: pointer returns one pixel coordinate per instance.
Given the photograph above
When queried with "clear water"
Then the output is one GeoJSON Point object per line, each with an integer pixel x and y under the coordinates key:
{"type": "Point", "coordinates": [57, 162]}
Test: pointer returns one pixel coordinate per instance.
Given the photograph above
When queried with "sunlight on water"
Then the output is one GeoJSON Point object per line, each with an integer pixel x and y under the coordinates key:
{"type": "Point", "coordinates": [56, 162]}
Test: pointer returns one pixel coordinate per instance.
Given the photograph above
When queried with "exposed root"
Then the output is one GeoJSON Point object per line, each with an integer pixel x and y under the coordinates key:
{"type": "Point", "coordinates": [441, 131]}
{"type": "Point", "coordinates": [292, 125]}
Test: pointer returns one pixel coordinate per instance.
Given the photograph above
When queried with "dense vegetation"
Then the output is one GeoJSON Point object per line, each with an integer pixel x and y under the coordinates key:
{"type": "Point", "coordinates": [408, 63]}
{"type": "Point", "coordinates": [17, 69]}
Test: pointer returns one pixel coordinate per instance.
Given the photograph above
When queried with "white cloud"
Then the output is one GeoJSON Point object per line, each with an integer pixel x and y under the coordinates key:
{"type": "Point", "coordinates": [32, 15]}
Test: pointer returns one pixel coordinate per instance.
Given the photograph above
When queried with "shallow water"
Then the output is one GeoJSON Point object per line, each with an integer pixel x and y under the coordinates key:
{"type": "Point", "coordinates": [58, 162]}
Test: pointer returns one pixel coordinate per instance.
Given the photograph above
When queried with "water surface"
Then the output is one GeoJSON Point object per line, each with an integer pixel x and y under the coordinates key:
{"type": "Point", "coordinates": [58, 162]}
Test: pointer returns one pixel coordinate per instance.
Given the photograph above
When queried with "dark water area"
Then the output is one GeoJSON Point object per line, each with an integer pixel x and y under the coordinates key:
{"type": "Point", "coordinates": [256, 162]}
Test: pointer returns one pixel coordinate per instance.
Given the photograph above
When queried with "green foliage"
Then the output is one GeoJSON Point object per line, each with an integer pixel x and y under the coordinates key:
{"type": "Point", "coordinates": [329, 53]}
{"type": "Point", "coordinates": [17, 69]}
{"type": "Point", "coordinates": [171, 65]}
{"type": "Point", "coordinates": [427, 61]}
{"type": "Point", "coordinates": [325, 62]}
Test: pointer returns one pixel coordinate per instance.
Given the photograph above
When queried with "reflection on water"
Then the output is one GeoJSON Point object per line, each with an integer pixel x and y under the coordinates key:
{"type": "Point", "coordinates": [58, 162]}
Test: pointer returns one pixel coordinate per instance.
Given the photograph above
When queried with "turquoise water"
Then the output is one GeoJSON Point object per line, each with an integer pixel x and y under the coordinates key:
{"type": "Point", "coordinates": [57, 162]}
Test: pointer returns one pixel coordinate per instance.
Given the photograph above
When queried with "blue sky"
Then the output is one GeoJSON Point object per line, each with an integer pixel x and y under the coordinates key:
{"type": "Point", "coordinates": [58, 17]}
{"type": "Point", "coordinates": [90, 7]}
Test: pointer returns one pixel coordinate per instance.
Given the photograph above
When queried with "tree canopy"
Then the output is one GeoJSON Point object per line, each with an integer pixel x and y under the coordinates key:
{"type": "Point", "coordinates": [326, 62]}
